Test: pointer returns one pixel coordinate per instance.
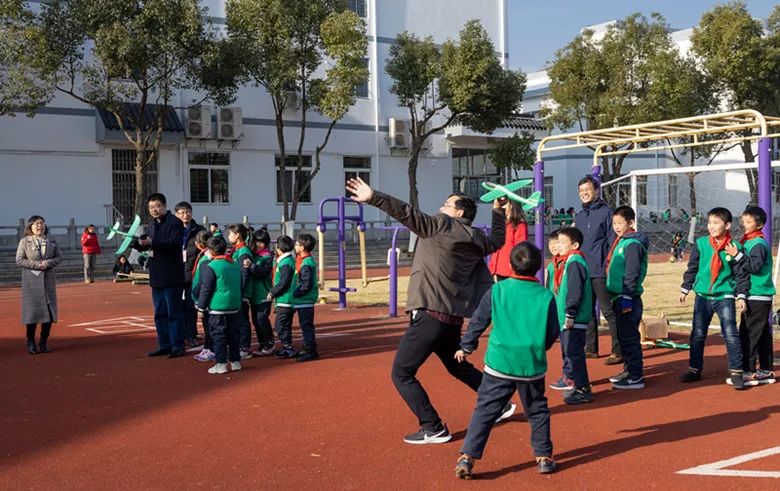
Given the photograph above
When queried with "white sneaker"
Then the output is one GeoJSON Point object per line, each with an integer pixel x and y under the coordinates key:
{"type": "Point", "coordinates": [235, 366]}
{"type": "Point", "coordinates": [205, 355]}
{"type": "Point", "coordinates": [245, 355]}
{"type": "Point", "coordinates": [507, 413]}
{"type": "Point", "coordinates": [219, 369]}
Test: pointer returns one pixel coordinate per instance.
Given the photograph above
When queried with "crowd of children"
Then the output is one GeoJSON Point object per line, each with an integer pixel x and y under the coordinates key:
{"type": "Point", "coordinates": [235, 284]}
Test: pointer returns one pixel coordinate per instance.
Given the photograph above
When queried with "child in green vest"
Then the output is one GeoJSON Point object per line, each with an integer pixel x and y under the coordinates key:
{"type": "Point", "coordinates": [305, 294]}
{"type": "Point", "coordinates": [237, 236]}
{"type": "Point", "coordinates": [574, 298]}
{"type": "Point", "coordinates": [626, 270]}
{"type": "Point", "coordinates": [711, 276]}
{"type": "Point", "coordinates": [755, 331]}
{"type": "Point", "coordinates": [204, 256]}
{"type": "Point", "coordinates": [552, 246]}
{"type": "Point", "coordinates": [282, 293]}
{"type": "Point", "coordinates": [259, 271]}
{"type": "Point", "coordinates": [220, 296]}
{"type": "Point", "coordinates": [515, 360]}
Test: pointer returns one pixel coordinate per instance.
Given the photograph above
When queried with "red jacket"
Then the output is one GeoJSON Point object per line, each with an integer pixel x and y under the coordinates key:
{"type": "Point", "coordinates": [89, 243]}
{"type": "Point", "coordinates": [499, 261]}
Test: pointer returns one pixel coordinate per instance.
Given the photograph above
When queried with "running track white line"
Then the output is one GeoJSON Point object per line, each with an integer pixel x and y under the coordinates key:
{"type": "Point", "coordinates": [718, 468]}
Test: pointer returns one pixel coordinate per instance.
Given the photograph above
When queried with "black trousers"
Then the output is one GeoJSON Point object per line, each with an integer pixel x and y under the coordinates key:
{"type": "Point", "coordinates": [261, 313]}
{"type": "Point", "coordinates": [45, 331]}
{"type": "Point", "coordinates": [600, 293]}
{"type": "Point", "coordinates": [225, 337]}
{"type": "Point", "coordinates": [573, 353]}
{"type": "Point", "coordinates": [190, 313]}
{"type": "Point", "coordinates": [208, 343]}
{"type": "Point", "coordinates": [244, 327]}
{"type": "Point", "coordinates": [755, 336]}
{"type": "Point", "coordinates": [492, 396]}
{"type": "Point", "coordinates": [629, 337]}
{"type": "Point", "coordinates": [283, 325]}
{"type": "Point", "coordinates": [425, 336]}
{"type": "Point", "coordinates": [306, 320]}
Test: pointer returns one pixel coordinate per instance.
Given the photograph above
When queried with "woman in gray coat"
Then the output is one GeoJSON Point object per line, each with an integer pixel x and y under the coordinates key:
{"type": "Point", "coordinates": [37, 255]}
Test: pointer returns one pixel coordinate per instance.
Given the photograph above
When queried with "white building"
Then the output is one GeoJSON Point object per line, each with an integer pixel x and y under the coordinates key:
{"type": "Point", "coordinates": [64, 163]}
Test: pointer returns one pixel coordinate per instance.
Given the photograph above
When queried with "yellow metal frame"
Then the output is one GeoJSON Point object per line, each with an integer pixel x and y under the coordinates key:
{"type": "Point", "coordinates": [648, 137]}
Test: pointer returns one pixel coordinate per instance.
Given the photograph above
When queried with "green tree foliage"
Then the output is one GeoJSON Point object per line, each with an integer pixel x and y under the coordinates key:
{"type": "Point", "coordinates": [463, 81]}
{"type": "Point", "coordinates": [513, 154]}
{"type": "Point", "coordinates": [284, 46]}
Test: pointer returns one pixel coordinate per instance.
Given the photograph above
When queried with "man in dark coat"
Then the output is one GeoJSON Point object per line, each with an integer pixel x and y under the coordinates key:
{"type": "Point", "coordinates": [166, 276]}
{"type": "Point", "coordinates": [448, 279]}
{"type": "Point", "coordinates": [595, 223]}
{"type": "Point", "coordinates": [190, 254]}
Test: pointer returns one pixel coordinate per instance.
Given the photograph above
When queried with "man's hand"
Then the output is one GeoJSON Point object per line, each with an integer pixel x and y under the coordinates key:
{"type": "Point", "coordinates": [683, 296]}
{"type": "Point", "coordinates": [361, 192]}
{"type": "Point", "coordinates": [44, 264]}
{"type": "Point", "coordinates": [731, 249]}
{"type": "Point", "coordinates": [461, 355]}
{"type": "Point", "coordinates": [741, 306]}
{"type": "Point", "coordinates": [569, 323]}
{"type": "Point", "coordinates": [500, 203]}
{"type": "Point", "coordinates": [269, 298]}
{"type": "Point", "coordinates": [146, 241]}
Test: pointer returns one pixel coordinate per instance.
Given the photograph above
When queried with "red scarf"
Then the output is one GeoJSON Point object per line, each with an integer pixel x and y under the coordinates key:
{"type": "Point", "coordinates": [200, 255]}
{"type": "Point", "coordinates": [299, 260]}
{"type": "Point", "coordinates": [751, 235]}
{"type": "Point", "coordinates": [236, 248]}
{"type": "Point", "coordinates": [715, 263]}
{"type": "Point", "coordinates": [614, 244]}
{"type": "Point", "coordinates": [560, 265]}
{"type": "Point", "coordinates": [526, 278]}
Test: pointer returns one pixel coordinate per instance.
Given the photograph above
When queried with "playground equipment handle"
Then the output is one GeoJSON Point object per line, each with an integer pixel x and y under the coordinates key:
{"type": "Point", "coordinates": [321, 261]}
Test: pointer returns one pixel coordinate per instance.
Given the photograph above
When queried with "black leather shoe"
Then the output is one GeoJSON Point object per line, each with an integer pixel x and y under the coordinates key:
{"type": "Point", "coordinates": [31, 347]}
{"type": "Point", "coordinates": [159, 352]}
{"type": "Point", "coordinates": [43, 346]}
{"type": "Point", "coordinates": [176, 353]}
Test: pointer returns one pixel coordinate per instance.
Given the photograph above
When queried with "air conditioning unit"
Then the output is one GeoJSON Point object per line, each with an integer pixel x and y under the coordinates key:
{"type": "Point", "coordinates": [398, 133]}
{"type": "Point", "coordinates": [198, 122]}
{"type": "Point", "coordinates": [293, 100]}
{"type": "Point", "coordinates": [229, 123]}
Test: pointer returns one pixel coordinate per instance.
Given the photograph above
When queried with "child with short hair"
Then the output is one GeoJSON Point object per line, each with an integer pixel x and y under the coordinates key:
{"type": "Point", "coordinates": [515, 359]}
{"type": "Point", "coordinates": [755, 330]}
{"type": "Point", "coordinates": [122, 267]}
{"type": "Point", "coordinates": [204, 256]}
{"type": "Point", "coordinates": [260, 274]}
{"type": "Point", "coordinates": [237, 236]}
{"type": "Point", "coordinates": [282, 293]}
{"type": "Point", "coordinates": [711, 276]}
{"type": "Point", "coordinates": [552, 246]}
{"type": "Point", "coordinates": [574, 298]}
{"type": "Point", "coordinates": [677, 247]}
{"type": "Point", "coordinates": [220, 294]}
{"type": "Point", "coordinates": [305, 294]}
{"type": "Point", "coordinates": [626, 266]}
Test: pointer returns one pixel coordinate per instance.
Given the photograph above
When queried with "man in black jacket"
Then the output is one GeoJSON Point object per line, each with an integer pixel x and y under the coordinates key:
{"type": "Point", "coordinates": [166, 276]}
{"type": "Point", "coordinates": [190, 254]}
{"type": "Point", "coordinates": [448, 279]}
{"type": "Point", "coordinates": [595, 223]}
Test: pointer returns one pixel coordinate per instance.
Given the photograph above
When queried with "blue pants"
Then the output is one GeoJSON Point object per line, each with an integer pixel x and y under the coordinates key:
{"type": "Point", "coordinates": [703, 310]}
{"type": "Point", "coordinates": [629, 338]}
{"type": "Point", "coordinates": [573, 352]}
{"type": "Point", "coordinates": [306, 320]}
{"type": "Point", "coordinates": [225, 337]}
{"type": "Point", "coordinates": [244, 327]}
{"type": "Point", "coordinates": [283, 325]}
{"type": "Point", "coordinates": [169, 317]}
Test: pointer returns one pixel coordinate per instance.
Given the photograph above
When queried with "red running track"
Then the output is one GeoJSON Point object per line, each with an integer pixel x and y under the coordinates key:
{"type": "Point", "coordinates": [96, 414]}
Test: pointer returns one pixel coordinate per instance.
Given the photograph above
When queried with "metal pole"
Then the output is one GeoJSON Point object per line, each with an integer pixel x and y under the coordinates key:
{"type": "Point", "coordinates": [765, 184]}
{"type": "Point", "coordinates": [595, 173]}
{"type": "Point", "coordinates": [394, 275]}
{"type": "Point", "coordinates": [342, 259]}
{"type": "Point", "coordinates": [539, 223]}
{"type": "Point", "coordinates": [634, 200]}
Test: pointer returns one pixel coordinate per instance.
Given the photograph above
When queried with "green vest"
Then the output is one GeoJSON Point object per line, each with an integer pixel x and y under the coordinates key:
{"type": "Point", "coordinates": [227, 293]}
{"type": "Point", "coordinates": [551, 276]}
{"type": "Point", "coordinates": [617, 268]}
{"type": "Point", "coordinates": [196, 277]}
{"type": "Point", "coordinates": [238, 256]}
{"type": "Point", "coordinates": [261, 286]}
{"type": "Point", "coordinates": [761, 284]}
{"type": "Point", "coordinates": [585, 309]}
{"type": "Point", "coordinates": [516, 345]}
{"type": "Point", "coordinates": [313, 294]}
{"type": "Point", "coordinates": [285, 299]}
{"type": "Point", "coordinates": [724, 283]}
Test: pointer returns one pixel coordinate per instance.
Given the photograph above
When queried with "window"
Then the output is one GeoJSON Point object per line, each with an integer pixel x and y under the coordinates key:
{"type": "Point", "coordinates": [673, 191]}
{"type": "Point", "coordinates": [776, 149]}
{"type": "Point", "coordinates": [624, 192]}
{"type": "Point", "coordinates": [294, 179]}
{"type": "Point", "coordinates": [357, 167]}
{"type": "Point", "coordinates": [357, 6]}
{"type": "Point", "coordinates": [547, 194]}
{"type": "Point", "coordinates": [123, 181]}
{"type": "Point", "coordinates": [471, 166]}
{"type": "Point", "coordinates": [209, 177]}
{"type": "Point", "coordinates": [362, 89]}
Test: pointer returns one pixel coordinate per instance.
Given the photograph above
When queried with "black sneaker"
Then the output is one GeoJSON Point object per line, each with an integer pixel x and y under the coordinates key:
{"type": "Point", "coordinates": [463, 467]}
{"type": "Point", "coordinates": [618, 377]}
{"type": "Point", "coordinates": [424, 437]}
{"type": "Point", "coordinates": [286, 352]}
{"type": "Point", "coordinates": [736, 379]}
{"type": "Point", "coordinates": [629, 383]}
{"type": "Point", "coordinates": [690, 376]}
{"type": "Point", "coordinates": [159, 352]}
{"type": "Point", "coordinates": [307, 356]}
{"type": "Point", "coordinates": [580, 395]}
{"type": "Point", "coordinates": [546, 465]}
{"type": "Point", "coordinates": [507, 412]}
{"type": "Point", "coordinates": [176, 353]}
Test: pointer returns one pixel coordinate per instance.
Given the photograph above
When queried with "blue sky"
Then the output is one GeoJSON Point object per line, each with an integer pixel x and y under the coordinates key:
{"type": "Point", "coordinates": [537, 29]}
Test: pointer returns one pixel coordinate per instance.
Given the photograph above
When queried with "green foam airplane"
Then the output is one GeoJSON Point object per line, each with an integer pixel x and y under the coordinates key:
{"type": "Point", "coordinates": [496, 191]}
{"type": "Point", "coordinates": [128, 236]}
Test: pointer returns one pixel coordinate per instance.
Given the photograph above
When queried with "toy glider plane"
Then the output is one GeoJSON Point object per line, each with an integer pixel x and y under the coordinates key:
{"type": "Point", "coordinates": [496, 191]}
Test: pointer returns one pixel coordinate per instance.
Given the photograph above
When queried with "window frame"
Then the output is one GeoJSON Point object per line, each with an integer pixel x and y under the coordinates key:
{"type": "Point", "coordinates": [365, 8]}
{"type": "Point", "coordinates": [292, 169]}
{"type": "Point", "coordinates": [209, 167]}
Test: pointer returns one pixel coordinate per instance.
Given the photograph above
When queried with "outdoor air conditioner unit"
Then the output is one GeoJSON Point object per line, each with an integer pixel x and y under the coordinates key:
{"type": "Point", "coordinates": [198, 122]}
{"type": "Point", "coordinates": [229, 123]}
{"type": "Point", "coordinates": [399, 133]}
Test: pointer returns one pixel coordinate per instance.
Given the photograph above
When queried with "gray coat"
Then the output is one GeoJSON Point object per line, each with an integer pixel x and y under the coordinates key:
{"type": "Point", "coordinates": [39, 291]}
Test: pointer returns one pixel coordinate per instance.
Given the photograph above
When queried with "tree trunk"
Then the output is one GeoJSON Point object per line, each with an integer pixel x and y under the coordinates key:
{"type": "Point", "coordinates": [692, 192]}
{"type": "Point", "coordinates": [752, 174]}
{"type": "Point", "coordinates": [140, 174]}
{"type": "Point", "coordinates": [413, 193]}
{"type": "Point", "coordinates": [282, 163]}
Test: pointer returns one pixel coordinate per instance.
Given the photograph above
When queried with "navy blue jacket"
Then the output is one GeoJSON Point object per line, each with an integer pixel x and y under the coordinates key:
{"type": "Point", "coordinates": [166, 266]}
{"type": "Point", "coordinates": [188, 244]}
{"type": "Point", "coordinates": [595, 223]}
{"type": "Point", "coordinates": [634, 257]}
{"type": "Point", "coordinates": [576, 283]}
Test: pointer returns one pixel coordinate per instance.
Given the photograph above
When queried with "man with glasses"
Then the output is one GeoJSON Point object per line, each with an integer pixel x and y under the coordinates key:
{"type": "Point", "coordinates": [448, 279]}
{"type": "Point", "coordinates": [189, 254]}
